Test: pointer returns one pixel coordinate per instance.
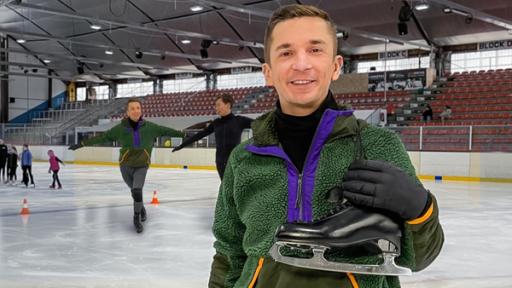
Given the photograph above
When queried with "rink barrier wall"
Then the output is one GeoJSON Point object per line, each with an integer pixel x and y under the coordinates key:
{"type": "Point", "coordinates": [451, 166]}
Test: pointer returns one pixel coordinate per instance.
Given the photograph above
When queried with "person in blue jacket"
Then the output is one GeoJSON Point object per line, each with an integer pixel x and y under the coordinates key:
{"type": "Point", "coordinates": [26, 166]}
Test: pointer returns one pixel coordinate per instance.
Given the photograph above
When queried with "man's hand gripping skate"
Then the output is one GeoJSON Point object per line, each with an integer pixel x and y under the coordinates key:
{"type": "Point", "coordinates": [379, 184]}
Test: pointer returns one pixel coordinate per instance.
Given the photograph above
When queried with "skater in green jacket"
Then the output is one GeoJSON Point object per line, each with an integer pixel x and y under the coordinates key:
{"type": "Point", "coordinates": [315, 176]}
{"type": "Point", "coordinates": [136, 137]}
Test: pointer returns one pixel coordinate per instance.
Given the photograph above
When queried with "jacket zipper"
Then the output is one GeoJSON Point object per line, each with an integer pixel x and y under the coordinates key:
{"type": "Point", "coordinates": [298, 201]}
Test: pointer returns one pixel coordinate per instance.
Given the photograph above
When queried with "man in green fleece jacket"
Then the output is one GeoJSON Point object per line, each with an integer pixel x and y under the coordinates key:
{"type": "Point", "coordinates": [302, 150]}
{"type": "Point", "coordinates": [136, 137]}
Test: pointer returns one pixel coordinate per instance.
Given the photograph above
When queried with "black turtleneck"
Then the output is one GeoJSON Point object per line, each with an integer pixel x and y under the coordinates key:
{"type": "Point", "coordinates": [226, 117]}
{"type": "Point", "coordinates": [295, 133]}
{"type": "Point", "coordinates": [133, 123]}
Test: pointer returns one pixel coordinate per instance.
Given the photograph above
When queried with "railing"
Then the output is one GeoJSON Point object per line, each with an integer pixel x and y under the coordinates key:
{"type": "Point", "coordinates": [457, 138]}
{"type": "Point", "coordinates": [52, 127]}
{"type": "Point", "coordinates": [80, 105]}
{"type": "Point", "coordinates": [423, 138]}
{"type": "Point", "coordinates": [53, 116]}
{"type": "Point", "coordinates": [28, 134]}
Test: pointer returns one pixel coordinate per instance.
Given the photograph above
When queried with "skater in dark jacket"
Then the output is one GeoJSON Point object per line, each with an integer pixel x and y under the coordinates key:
{"type": "Point", "coordinates": [228, 132]}
{"type": "Point", "coordinates": [12, 165]}
{"type": "Point", "coordinates": [136, 137]}
{"type": "Point", "coordinates": [26, 166]}
{"type": "Point", "coordinates": [3, 161]}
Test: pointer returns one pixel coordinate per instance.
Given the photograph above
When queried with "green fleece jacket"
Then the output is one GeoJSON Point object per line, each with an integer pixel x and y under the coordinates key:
{"type": "Point", "coordinates": [136, 144]}
{"type": "Point", "coordinates": [254, 200]}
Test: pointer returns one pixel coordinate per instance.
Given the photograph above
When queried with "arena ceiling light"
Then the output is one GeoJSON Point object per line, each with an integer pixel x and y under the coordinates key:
{"type": "Point", "coordinates": [449, 10]}
{"type": "Point", "coordinates": [21, 41]}
{"type": "Point", "coordinates": [109, 52]}
{"type": "Point", "coordinates": [95, 27]}
{"type": "Point", "coordinates": [343, 35]}
{"type": "Point", "coordinates": [196, 8]}
{"type": "Point", "coordinates": [421, 6]}
{"type": "Point", "coordinates": [47, 61]}
{"type": "Point", "coordinates": [185, 41]}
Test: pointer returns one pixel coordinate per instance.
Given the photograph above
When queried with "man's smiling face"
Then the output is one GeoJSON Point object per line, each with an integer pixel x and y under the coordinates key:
{"type": "Point", "coordinates": [302, 64]}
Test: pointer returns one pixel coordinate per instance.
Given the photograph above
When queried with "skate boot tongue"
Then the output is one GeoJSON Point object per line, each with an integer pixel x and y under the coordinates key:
{"type": "Point", "coordinates": [335, 195]}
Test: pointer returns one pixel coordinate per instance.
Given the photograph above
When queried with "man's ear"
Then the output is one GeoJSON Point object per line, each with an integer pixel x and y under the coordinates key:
{"type": "Point", "coordinates": [267, 72]}
{"type": "Point", "coordinates": [338, 63]}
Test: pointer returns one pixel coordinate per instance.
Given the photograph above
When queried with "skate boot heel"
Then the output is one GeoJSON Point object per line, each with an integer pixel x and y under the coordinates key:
{"type": "Point", "coordinates": [387, 246]}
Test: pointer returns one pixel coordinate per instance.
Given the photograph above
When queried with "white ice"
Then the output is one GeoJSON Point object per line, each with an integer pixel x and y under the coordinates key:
{"type": "Point", "coordinates": [83, 236]}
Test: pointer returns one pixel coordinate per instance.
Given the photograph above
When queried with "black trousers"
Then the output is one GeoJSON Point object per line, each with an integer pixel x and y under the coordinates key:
{"type": "Point", "coordinates": [27, 171]}
{"type": "Point", "coordinates": [3, 168]}
{"type": "Point", "coordinates": [12, 173]}
{"type": "Point", "coordinates": [55, 177]}
{"type": "Point", "coordinates": [221, 166]}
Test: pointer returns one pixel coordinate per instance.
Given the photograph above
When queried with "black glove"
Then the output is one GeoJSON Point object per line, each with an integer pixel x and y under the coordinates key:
{"type": "Point", "coordinates": [75, 146]}
{"type": "Point", "coordinates": [381, 185]}
{"type": "Point", "coordinates": [177, 148]}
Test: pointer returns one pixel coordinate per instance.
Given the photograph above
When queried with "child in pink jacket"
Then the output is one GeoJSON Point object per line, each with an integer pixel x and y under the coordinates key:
{"type": "Point", "coordinates": [54, 167]}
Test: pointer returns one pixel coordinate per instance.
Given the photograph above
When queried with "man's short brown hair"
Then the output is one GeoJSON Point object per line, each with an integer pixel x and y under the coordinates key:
{"type": "Point", "coordinates": [295, 11]}
{"type": "Point", "coordinates": [226, 98]}
{"type": "Point", "coordinates": [133, 100]}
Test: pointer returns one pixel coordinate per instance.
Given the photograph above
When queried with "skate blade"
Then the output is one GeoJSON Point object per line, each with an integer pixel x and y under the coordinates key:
{"type": "Point", "coordinates": [318, 262]}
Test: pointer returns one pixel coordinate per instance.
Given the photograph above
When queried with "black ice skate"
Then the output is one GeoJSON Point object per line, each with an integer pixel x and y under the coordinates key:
{"type": "Point", "coordinates": [352, 226]}
{"type": "Point", "coordinates": [136, 222]}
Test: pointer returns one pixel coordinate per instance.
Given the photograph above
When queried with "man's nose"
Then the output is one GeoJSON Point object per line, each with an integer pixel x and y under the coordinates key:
{"type": "Point", "coordinates": [302, 61]}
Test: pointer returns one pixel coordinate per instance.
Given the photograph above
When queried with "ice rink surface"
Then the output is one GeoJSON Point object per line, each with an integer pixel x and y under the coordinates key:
{"type": "Point", "coordinates": [83, 236]}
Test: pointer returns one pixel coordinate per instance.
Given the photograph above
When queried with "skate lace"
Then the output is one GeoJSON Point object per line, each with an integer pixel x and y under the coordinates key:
{"type": "Point", "coordinates": [339, 207]}
{"type": "Point", "coordinates": [335, 196]}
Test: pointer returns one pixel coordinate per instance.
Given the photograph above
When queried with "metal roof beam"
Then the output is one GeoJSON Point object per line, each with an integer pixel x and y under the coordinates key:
{"type": "Point", "coordinates": [152, 52]}
{"type": "Point", "coordinates": [267, 14]}
{"type": "Point", "coordinates": [221, 40]}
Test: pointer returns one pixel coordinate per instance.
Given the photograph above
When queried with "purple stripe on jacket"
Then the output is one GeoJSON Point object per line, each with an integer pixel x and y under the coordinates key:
{"type": "Point", "coordinates": [136, 134]}
{"type": "Point", "coordinates": [293, 175]}
{"type": "Point", "coordinates": [310, 166]}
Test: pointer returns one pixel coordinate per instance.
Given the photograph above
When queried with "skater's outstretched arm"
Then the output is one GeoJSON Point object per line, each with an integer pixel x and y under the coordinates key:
{"type": "Point", "coordinates": [245, 121]}
{"type": "Point", "coordinates": [166, 131]}
{"type": "Point", "coordinates": [198, 136]}
{"type": "Point", "coordinates": [109, 136]}
{"type": "Point", "coordinates": [229, 231]}
{"type": "Point", "coordinates": [388, 181]}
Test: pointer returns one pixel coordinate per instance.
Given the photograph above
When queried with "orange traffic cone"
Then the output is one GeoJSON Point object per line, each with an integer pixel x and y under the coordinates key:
{"type": "Point", "coordinates": [155, 199]}
{"type": "Point", "coordinates": [24, 210]}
